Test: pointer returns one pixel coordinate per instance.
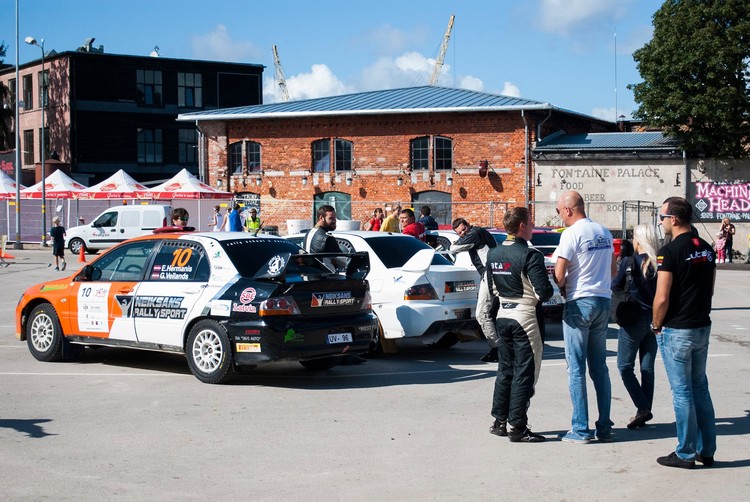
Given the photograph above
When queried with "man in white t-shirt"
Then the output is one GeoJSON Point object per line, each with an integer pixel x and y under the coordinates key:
{"type": "Point", "coordinates": [584, 269]}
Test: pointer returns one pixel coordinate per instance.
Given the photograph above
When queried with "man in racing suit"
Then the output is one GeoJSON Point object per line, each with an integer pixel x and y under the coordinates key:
{"type": "Point", "coordinates": [477, 241]}
{"type": "Point", "coordinates": [517, 276]}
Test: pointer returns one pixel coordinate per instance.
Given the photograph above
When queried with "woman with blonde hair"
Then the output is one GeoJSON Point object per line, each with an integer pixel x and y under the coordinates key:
{"type": "Point", "coordinates": [636, 337]}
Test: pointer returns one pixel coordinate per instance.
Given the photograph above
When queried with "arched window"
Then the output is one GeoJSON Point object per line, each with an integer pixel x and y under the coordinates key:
{"type": "Point", "coordinates": [253, 150]}
{"type": "Point", "coordinates": [443, 153]}
{"type": "Point", "coordinates": [420, 153]}
{"type": "Point", "coordinates": [235, 158]}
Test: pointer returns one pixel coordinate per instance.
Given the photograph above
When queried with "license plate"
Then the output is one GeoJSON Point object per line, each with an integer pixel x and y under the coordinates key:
{"type": "Point", "coordinates": [248, 347]}
{"type": "Point", "coordinates": [339, 338]}
{"type": "Point", "coordinates": [462, 313]}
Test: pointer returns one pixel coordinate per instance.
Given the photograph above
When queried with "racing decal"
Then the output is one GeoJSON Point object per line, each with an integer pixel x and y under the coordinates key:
{"type": "Point", "coordinates": [247, 296]}
{"type": "Point", "coordinates": [126, 304]}
{"type": "Point", "coordinates": [292, 336]}
{"type": "Point", "coordinates": [159, 307]}
{"type": "Point", "coordinates": [53, 287]}
{"type": "Point", "coordinates": [178, 270]}
{"type": "Point", "coordinates": [275, 265]}
{"type": "Point", "coordinates": [247, 347]}
{"type": "Point", "coordinates": [332, 299]}
{"type": "Point", "coordinates": [220, 308]}
{"type": "Point", "coordinates": [500, 268]}
{"type": "Point", "coordinates": [93, 313]}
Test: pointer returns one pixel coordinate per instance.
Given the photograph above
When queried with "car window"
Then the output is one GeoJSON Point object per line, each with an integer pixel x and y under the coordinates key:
{"type": "Point", "coordinates": [125, 263]}
{"type": "Point", "coordinates": [180, 261]}
{"type": "Point", "coordinates": [499, 238]}
{"type": "Point", "coordinates": [249, 254]}
{"type": "Point", "coordinates": [397, 251]}
{"type": "Point", "coordinates": [345, 246]}
{"type": "Point", "coordinates": [131, 218]}
{"type": "Point", "coordinates": [546, 239]}
{"type": "Point", "coordinates": [153, 218]}
{"type": "Point", "coordinates": [106, 220]}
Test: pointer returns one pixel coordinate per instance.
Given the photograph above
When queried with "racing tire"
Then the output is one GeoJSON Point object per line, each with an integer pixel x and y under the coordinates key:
{"type": "Point", "coordinates": [209, 353]}
{"type": "Point", "coordinates": [44, 334]}
{"type": "Point", "coordinates": [322, 364]}
{"type": "Point", "coordinates": [380, 345]}
{"type": "Point", "coordinates": [75, 246]}
{"type": "Point", "coordinates": [447, 341]}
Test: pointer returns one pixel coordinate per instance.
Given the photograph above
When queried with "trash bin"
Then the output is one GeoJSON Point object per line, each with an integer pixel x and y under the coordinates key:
{"type": "Point", "coordinates": [297, 226]}
{"type": "Point", "coordinates": [348, 224]}
{"type": "Point", "coordinates": [617, 244]}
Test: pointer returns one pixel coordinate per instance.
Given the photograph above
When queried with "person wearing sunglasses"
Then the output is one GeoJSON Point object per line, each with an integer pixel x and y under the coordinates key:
{"type": "Point", "coordinates": [180, 217]}
{"type": "Point", "coordinates": [686, 274]}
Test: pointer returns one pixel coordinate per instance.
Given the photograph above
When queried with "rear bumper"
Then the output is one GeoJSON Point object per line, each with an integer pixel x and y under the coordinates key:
{"type": "Point", "coordinates": [420, 318]}
{"type": "Point", "coordinates": [280, 339]}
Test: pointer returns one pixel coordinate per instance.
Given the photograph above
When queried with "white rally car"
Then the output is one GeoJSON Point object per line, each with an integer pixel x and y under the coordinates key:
{"type": "Point", "coordinates": [416, 292]}
{"type": "Point", "coordinates": [543, 239]}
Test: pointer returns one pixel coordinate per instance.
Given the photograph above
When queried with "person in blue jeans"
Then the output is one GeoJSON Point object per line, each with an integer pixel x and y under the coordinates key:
{"type": "Point", "coordinates": [682, 324]}
{"type": "Point", "coordinates": [584, 269]}
{"type": "Point", "coordinates": [635, 339]}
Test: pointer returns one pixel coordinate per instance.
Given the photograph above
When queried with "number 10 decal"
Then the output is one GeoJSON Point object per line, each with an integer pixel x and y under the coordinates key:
{"type": "Point", "coordinates": [181, 257]}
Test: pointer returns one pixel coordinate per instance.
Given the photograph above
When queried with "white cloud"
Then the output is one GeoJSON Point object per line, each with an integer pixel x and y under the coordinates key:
{"type": "Point", "coordinates": [387, 40]}
{"type": "Point", "coordinates": [562, 16]}
{"type": "Point", "coordinates": [471, 83]}
{"type": "Point", "coordinates": [319, 82]}
{"type": "Point", "coordinates": [607, 113]}
{"type": "Point", "coordinates": [510, 89]}
{"type": "Point", "coordinates": [218, 45]}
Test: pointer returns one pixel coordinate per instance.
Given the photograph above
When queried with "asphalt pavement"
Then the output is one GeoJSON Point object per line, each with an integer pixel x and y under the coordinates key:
{"type": "Point", "coordinates": [133, 425]}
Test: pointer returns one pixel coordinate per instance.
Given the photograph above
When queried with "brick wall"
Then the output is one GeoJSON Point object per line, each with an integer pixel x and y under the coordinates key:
{"type": "Point", "coordinates": [381, 153]}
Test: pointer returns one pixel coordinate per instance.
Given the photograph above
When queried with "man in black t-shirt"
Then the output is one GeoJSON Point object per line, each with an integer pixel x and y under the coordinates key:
{"type": "Point", "coordinates": [682, 325]}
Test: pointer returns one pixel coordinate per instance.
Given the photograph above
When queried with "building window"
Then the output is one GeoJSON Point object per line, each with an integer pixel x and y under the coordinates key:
{"type": "Point", "coordinates": [420, 153]}
{"type": "Point", "coordinates": [253, 156]}
{"type": "Point", "coordinates": [28, 147]}
{"type": "Point", "coordinates": [343, 154]}
{"type": "Point", "coordinates": [443, 153]}
{"type": "Point", "coordinates": [43, 88]}
{"type": "Point", "coordinates": [150, 146]}
{"type": "Point", "coordinates": [235, 158]}
{"type": "Point", "coordinates": [189, 90]}
{"type": "Point", "coordinates": [149, 87]}
{"type": "Point", "coordinates": [12, 89]}
{"type": "Point", "coordinates": [46, 144]}
{"type": "Point", "coordinates": [188, 146]}
{"type": "Point", "coordinates": [28, 93]}
{"type": "Point", "coordinates": [321, 156]}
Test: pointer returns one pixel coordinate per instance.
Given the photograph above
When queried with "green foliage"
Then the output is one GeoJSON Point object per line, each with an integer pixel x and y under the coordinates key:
{"type": "Point", "coordinates": [6, 134]}
{"type": "Point", "coordinates": [696, 83]}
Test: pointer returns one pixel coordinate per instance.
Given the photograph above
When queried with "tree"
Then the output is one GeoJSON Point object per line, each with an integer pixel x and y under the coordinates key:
{"type": "Point", "coordinates": [696, 83]}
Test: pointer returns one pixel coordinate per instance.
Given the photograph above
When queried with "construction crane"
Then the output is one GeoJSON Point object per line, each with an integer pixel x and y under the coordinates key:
{"type": "Point", "coordinates": [441, 55]}
{"type": "Point", "coordinates": [279, 76]}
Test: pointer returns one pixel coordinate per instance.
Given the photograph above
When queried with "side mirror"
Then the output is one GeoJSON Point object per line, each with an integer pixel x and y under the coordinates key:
{"type": "Point", "coordinates": [91, 273]}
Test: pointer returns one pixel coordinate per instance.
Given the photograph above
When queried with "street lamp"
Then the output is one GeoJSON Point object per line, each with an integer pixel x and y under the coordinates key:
{"type": "Point", "coordinates": [40, 44]}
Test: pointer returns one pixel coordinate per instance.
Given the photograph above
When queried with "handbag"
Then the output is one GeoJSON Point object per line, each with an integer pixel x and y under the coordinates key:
{"type": "Point", "coordinates": [625, 311]}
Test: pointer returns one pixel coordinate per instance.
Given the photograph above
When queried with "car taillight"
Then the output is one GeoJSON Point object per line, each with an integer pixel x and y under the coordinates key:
{"type": "Point", "coordinates": [420, 292]}
{"type": "Point", "coordinates": [367, 301]}
{"type": "Point", "coordinates": [282, 305]}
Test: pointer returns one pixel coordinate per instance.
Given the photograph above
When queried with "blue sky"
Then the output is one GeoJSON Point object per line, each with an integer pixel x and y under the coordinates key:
{"type": "Point", "coordinates": [564, 52]}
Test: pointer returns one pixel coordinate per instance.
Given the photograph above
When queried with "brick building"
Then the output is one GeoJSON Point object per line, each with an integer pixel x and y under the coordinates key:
{"type": "Point", "coordinates": [465, 153]}
{"type": "Point", "coordinates": [106, 112]}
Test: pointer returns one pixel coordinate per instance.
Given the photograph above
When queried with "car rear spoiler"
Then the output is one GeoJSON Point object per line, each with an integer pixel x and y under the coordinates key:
{"type": "Point", "coordinates": [357, 264]}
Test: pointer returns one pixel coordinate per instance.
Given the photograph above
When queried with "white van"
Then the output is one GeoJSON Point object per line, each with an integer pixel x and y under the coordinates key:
{"type": "Point", "coordinates": [115, 225]}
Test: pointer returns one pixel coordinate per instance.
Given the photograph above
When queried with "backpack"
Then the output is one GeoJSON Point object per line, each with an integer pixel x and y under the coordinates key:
{"type": "Point", "coordinates": [625, 311]}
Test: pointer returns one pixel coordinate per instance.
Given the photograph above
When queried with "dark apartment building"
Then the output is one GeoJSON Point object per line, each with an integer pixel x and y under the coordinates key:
{"type": "Point", "coordinates": [105, 112]}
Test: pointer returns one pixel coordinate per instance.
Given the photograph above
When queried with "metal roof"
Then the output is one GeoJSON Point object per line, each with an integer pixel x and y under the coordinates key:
{"type": "Point", "coordinates": [389, 101]}
{"type": "Point", "coordinates": [607, 141]}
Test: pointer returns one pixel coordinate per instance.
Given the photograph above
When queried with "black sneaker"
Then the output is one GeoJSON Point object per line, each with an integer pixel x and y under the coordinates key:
{"type": "Point", "coordinates": [707, 461]}
{"type": "Point", "coordinates": [499, 428]}
{"type": "Point", "coordinates": [524, 436]}
{"type": "Point", "coordinates": [640, 419]}
{"type": "Point", "coordinates": [490, 357]}
{"type": "Point", "coordinates": [672, 460]}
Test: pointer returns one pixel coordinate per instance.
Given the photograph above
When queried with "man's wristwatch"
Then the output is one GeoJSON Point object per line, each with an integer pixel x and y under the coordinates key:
{"type": "Point", "coordinates": [655, 328]}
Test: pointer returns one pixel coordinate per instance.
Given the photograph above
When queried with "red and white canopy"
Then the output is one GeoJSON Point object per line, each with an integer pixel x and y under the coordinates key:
{"type": "Point", "coordinates": [118, 186]}
{"type": "Point", "coordinates": [186, 186]}
{"type": "Point", "coordinates": [58, 185]}
{"type": "Point", "coordinates": [7, 186]}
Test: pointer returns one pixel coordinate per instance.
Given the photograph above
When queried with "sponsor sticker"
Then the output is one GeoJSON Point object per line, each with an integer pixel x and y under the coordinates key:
{"type": "Point", "coordinates": [275, 265]}
{"type": "Point", "coordinates": [159, 307]}
{"type": "Point", "coordinates": [333, 299]}
{"type": "Point", "coordinates": [53, 287]}
{"type": "Point", "coordinates": [220, 308]}
{"type": "Point", "coordinates": [292, 336]}
{"type": "Point", "coordinates": [247, 296]}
